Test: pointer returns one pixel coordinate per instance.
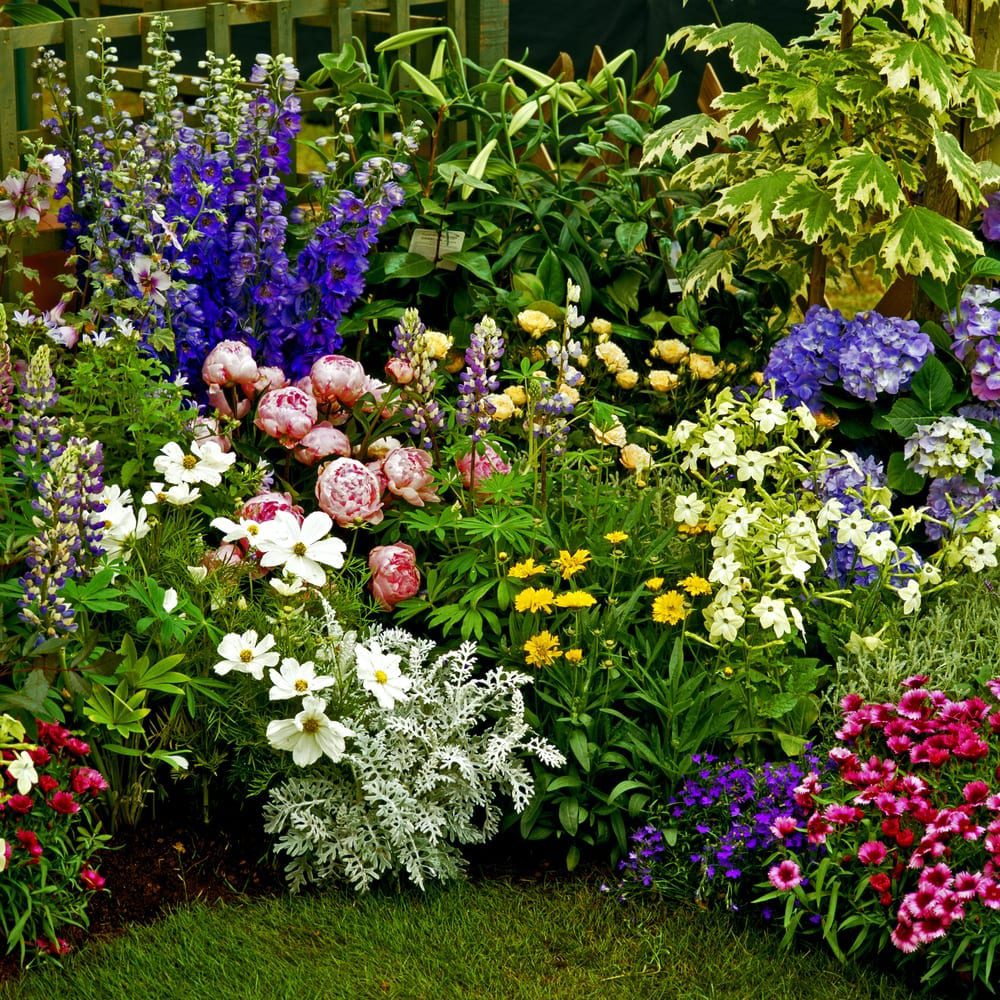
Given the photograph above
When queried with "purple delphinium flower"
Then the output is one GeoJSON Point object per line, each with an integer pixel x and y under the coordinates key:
{"type": "Point", "coordinates": [479, 378]}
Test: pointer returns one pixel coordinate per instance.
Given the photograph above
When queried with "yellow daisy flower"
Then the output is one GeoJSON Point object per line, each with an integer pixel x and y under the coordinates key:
{"type": "Point", "coordinates": [669, 608]}
{"type": "Point", "coordinates": [654, 582]}
{"type": "Point", "coordinates": [615, 537]}
{"type": "Point", "coordinates": [573, 655]}
{"type": "Point", "coordinates": [534, 600]}
{"type": "Point", "coordinates": [525, 570]}
{"type": "Point", "coordinates": [571, 564]}
{"type": "Point", "coordinates": [575, 599]}
{"type": "Point", "coordinates": [696, 585]}
{"type": "Point", "coordinates": [542, 650]}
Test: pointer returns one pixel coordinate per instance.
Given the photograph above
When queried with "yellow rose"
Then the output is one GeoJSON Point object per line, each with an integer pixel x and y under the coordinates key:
{"type": "Point", "coordinates": [669, 351]}
{"type": "Point", "coordinates": [702, 366]}
{"type": "Point", "coordinates": [516, 395]}
{"type": "Point", "coordinates": [614, 435]}
{"type": "Point", "coordinates": [535, 322]}
{"type": "Point", "coordinates": [503, 406]}
{"type": "Point", "coordinates": [757, 378]}
{"type": "Point", "coordinates": [663, 381]}
{"type": "Point", "coordinates": [614, 358]}
{"type": "Point", "coordinates": [601, 327]}
{"type": "Point", "coordinates": [636, 458]}
{"type": "Point", "coordinates": [570, 393]}
{"type": "Point", "coordinates": [627, 379]}
{"type": "Point", "coordinates": [435, 345]}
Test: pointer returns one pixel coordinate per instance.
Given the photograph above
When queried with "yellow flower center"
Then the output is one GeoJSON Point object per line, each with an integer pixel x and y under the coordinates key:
{"type": "Point", "coordinates": [310, 726]}
{"type": "Point", "coordinates": [189, 462]}
{"type": "Point", "coordinates": [161, 497]}
{"type": "Point", "coordinates": [246, 655]}
{"type": "Point", "coordinates": [381, 676]}
{"type": "Point", "coordinates": [301, 686]}
{"type": "Point", "coordinates": [252, 529]}
{"type": "Point", "coordinates": [299, 548]}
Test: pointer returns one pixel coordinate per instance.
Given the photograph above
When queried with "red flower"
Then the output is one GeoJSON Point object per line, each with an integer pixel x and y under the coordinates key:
{"type": "Point", "coordinates": [40, 756]}
{"type": "Point", "coordinates": [78, 747]}
{"type": "Point", "coordinates": [904, 838]}
{"type": "Point", "coordinates": [86, 779]}
{"type": "Point", "coordinates": [20, 803]}
{"type": "Point", "coordinates": [47, 783]}
{"type": "Point", "coordinates": [63, 802]}
{"type": "Point", "coordinates": [975, 792]}
{"type": "Point", "coordinates": [880, 882]}
{"type": "Point", "coordinates": [91, 879]}
{"type": "Point", "coordinates": [872, 852]}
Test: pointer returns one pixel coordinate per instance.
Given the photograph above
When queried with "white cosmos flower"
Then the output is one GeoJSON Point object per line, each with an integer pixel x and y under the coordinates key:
{"type": "Point", "coordinates": [688, 509]}
{"type": "Point", "coordinates": [205, 463]}
{"type": "Point", "coordinates": [288, 587]}
{"type": "Point", "coordinates": [379, 674]}
{"type": "Point", "coordinates": [22, 770]}
{"type": "Point", "coordinates": [115, 495]}
{"type": "Point", "coordinates": [910, 596]}
{"type": "Point", "coordinates": [768, 414]}
{"type": "Point", "coordinates": [177, 494]}
{"type": "Point", "coordinates": [725, 624]}
{"type": "Point", "coordinates": [245, 654]}
{"type": "Point", "coordinates": [854, 529]}
{"type": "Point", "coordinates": [301, 548]}
{"type": "Point", "coordinates": [245, 529]}
{"type": "Point", "coordinates": [122, 526]}
{"type": "Point", "coordinates": [877, 548]}
{"type": "Point", "coordinates": [310, 734]}
{"type": "Point", "coordinates": [979, 554]}
{"type": "Point", "coordinates": [169, 600]}
{"type": "Point", "coordinates": [296, 680]}
{"type": "Point", "coordinates": [771, 614]}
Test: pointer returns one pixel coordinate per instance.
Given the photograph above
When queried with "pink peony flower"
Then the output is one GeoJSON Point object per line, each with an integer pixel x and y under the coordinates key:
{"type": "Point", "coordinates": [408, 475]}
{"type": "Point", "coordinates": [872, 852]}
{"type": "Point", "coordinates": [287, 414]}
{"type": "Point", "coordinates": [264, 506]}
{"type": "Point", "coordinates": [401, 372]}
{"type": "Point", "coordinates": [349, 492]}
{"type": "Point", "coordinates": [207, 429]}
{"type": "Point", "coordinates": [321, 442]}
{"type": "Point", "coordinates": [227, 554]}
{"type": "Point", "coordinates": [337, 379]}
{"type": "Point", "coordinates": [785, 876]}
{"type": "Point", "coordinates": [230, 363]}
{"type": "Point", "coordinates": [269, 378]}
{"type": "Point", "coordinates": [488, 462]}
{"type": "Point", "coordinates": [223, 404]}
{"type": "Point", "coordinates": [395, 576]}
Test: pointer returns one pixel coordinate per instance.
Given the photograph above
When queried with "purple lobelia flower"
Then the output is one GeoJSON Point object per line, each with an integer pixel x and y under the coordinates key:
{"type": "Point", "coordinates": [479, 378]}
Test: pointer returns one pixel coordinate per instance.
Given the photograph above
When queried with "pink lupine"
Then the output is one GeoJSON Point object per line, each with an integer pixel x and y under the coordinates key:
{"type": "Point", "coordinates": [321, 442]}
{"type": "Point", "coordinates": [408, 475]}
{"type": "Point", "coordinates": [395, 576]}
{"type": "Point", "coordinates": [349, 492]}
{"type": "Point", "coordinates": [337, 380]}
{"type": "Point", "coordinates": [230, 363]}
{"type": "Point", "coordinates": [287, 414]}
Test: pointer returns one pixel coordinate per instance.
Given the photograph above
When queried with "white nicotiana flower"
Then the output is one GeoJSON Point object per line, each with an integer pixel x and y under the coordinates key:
{"type": "Point", "coordinates": [979, 554]}
{"type": "Point", "coordinates": [169, 600]}
{"type": "Point", "coordinates": [246, 655]}
{"type": "Point", "coordinates": [688, 509]}
{"type": "Point", "coordinates": [768, 414]}
{"type": "Point", "coordinates": [929, 575]}
{"type": "Point", "coordinates": [854, 529]}
{"type": "Point", "coordinates": [681, 432]}
{"type": "Point", "coordinates": [302, 549]}
{"type": "Point", "coordinates": [860, 644]}
{"type": "Point", "coordinates": [380, 675]}
{"type": "Point", "coordinates": [752, 465]}
{"type": "Point", "coordinates": [877, 548]}
{"type": "Point", "coordinates": [801, 530]}
{"type": "Point", "coordinates": [807, 421]}
{"type": "Point", "coordinates": [310, 734]}
{"type": "Point", "coordinates": [724, 623]}
{"type": "Point", "coordinates": [830, 513]}
{"type": "Point", "coordinates": [245, 530]}
{"type": "Point", "coordinates": [719, 445]}
{"type": "Point", "coordinates": [725, 570]}
{"type": "Point", "coordinates": [738, 524]}
{"type": "Point", "coordinates": [771, 614]}
{"type": "Point", "coordinates": [296, 680]}
{"type": "Point", "coordinates": [909, 594]}
{"type": "Point", "coordinates": [176, 494]}
{"type": "Point", "coordinates": [22, 770]}
{"type": "Point", "coordinates": [205, 463]}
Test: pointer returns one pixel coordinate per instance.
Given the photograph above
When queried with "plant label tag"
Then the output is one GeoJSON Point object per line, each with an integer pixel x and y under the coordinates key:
{"type": "Point", "coordinates": [673, 286]}
{"type": "Point", "coordinates": [436, 245]}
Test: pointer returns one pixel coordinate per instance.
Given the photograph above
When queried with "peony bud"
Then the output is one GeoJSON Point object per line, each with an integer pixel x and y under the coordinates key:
{"type": "Point", "coordinates": [287, 414]}
{"type": "Point", "coordinates": [395, 576]}
{"type": "Point", "coordinates": [230, 363]}
{"type": "Point", "coordinates": [336, 379]}
{"type": "Point", "coordinates": [321, 442]}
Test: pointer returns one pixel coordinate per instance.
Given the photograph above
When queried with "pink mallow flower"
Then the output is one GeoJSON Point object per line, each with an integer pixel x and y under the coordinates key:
{"type": "Point", "coordinates": [785, 876]}
{"type": "Point", "coordinates": [151, 280]}
{"type": "Point", "coordinates": [321, 442]}
{"type": "Point", "coordinates": [287, 414]}
{"type": "Point", "coordinates": [395, 576]}
{"type": "Point", "coordinates": [349, 492]}
{"type": "Point", "coordinates": [408, 475]}
{"type": "Point", "coordinates": [230, 363]}
{"type": "Point", "coordinates": [337, 379]}
{"type": "Point", "coordinates": [488, 462]}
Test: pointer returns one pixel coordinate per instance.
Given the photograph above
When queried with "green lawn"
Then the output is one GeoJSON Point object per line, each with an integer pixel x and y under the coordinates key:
{"type": "Point", "coordinates": [494, 941]}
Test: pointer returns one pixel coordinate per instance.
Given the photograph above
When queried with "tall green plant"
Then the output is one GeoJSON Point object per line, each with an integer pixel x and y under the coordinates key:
{"type": "Point", "coordinates": [822, 158]}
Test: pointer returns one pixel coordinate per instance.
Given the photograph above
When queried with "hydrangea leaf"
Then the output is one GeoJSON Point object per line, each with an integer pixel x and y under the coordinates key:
{"type": "Point", "coordinates": [756, 200]}
{"type": "Point", "coordinates": [749, 107]}
{"type": "Point", "coordinates": [919, 240]}
{"type": "Point", "coordinates": [959, 168]}
{"type": "Point", "coordinates": [679, 137]}
{"type": "Point", "coordinates": [981, 87]}
{"type": "Point", "coordinates": [750, 46]}
{"type": "Point", "coordinates": [903, 61]}
{"type": "Point", "coordinates": [863, 176]}
{"type": "Point", "coordinates": [815, 208]}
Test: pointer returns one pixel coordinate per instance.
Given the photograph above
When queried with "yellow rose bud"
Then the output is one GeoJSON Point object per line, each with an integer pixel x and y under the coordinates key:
{"type": "Point", "coordinates": [636, 458]}
{"type": "Point", "coordinates": [503, 406]}
{"type": "Point", "coordinates": [535, 322]}
{"type": "Point", "coordinates": [614, 435]}
{"type": "Point", "coordinates": [702, 366]}
{"type": "Point", "coordinates": [601, 327]}
{"type": "Point", "coordinates": [663, 381]}
{"type": "Point", "coordinates": [670, 351]}
{"type": "Point", "coordinates": [614, 358]}
{"type": "Point", "coordinates": [435, 345]}
{"type": "Point", "coordinates": [627, 379]}
{"type": "Point", "coordinates": [516, 395]}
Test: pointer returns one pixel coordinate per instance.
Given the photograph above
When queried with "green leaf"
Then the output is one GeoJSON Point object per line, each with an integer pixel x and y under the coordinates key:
{"type": "Point", "coordinates": [906, 416]}
{"type": "Point", "coordinates": [406, 265]}
{"type": "Point", "coordinates": [919, 240]}
{"type": "Point", "coordinates": [708, 340]}
{"type": "Point", "coordinates": [750, 46]}
{"type": "Point", "coordinates": [626, 128]}
{"type": "Point", "coordinates": [901, 478]}
{"type": "Point", "coordinates": [959, 168]}
{"type": "Point", "coordinates": [791, 745]}
{"type": "Point", "coordinates": [426, 85]}
{"type": "Point", "coordinates": [552, 278]}
{"type": "Point", "coordinates": [678, 138]}
{"type": "Point", "coordinates": [569, 815]}
{"type": "Point", "coordinates": [862, 176]}
{"type": "Point", "coordinates": [477, 169]}
{"type": "Point", "coordinates": [902, 62]}
{"type": "Point", "coordinates": [452, 173]}
{"type": "Point", "coordinates": [751, 107]}
{"type": "Point", "coordinates": [572, 857]}
{"type": "Point", "coordinates": [625, 290]}
{"type": "Point", "coordinates": [814, 208]}
{"type": "Point", "coordinates": [407, 38]}
{"type": "Point", "coordinates": [474, 263]}
{"type": "Point", "coordinates": [756, 200]}
{"type": "Point", "coordinates": [933, 386]}
{"type": "Point", "coordinates": [630, 234]}
{"type": "Point", "coordinates": [981, 87]}
{"type": "Point", "coordinates": [581, 750]}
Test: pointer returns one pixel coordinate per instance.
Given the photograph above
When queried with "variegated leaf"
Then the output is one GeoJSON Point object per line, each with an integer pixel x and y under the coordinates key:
{"type": "Point", "coordinates": [959, 168]}
{"type": "Point", "coordinates": [920, 241]}
{"type": "Point", "coordinates": [864, 177]}
{"type": "Point", "coordinates": [817, 214]}
{"type": "Point", "coordinates": [903, 61]}
{"type": "Point", "coordinates": [749, 107]}
{"type": "Point", "coordinates": [981, 87]}
{"type": "Point", "coordinates": [750, 46]}
{"type": "Point", "coordinates": [679, 137]}
{"type": "Point", "coordinates": [755, 201]}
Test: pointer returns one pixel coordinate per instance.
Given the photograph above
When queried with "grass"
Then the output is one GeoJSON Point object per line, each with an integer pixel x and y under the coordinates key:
{"type": "Point", "coordinates": [494, 941]}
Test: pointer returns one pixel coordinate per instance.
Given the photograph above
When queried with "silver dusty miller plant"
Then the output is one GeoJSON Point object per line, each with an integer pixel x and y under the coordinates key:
{"type": "Point", "coordinates": [429, 745]}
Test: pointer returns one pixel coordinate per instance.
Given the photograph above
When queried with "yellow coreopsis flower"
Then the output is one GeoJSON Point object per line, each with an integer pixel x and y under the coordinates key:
{"type": "Point", "coordinates": [525, 570]}
{"type": "Point", "coordinates": [542, 650]}
{"type": "Point", "coordinates": [654, 582]}
{"type": "Point", "coordinates": [669, 608]}
{"type": "Point", "coordinates": [696, 585]}
{"type": "Point", "coordinates": [534, 600]}
{"type": "Point", "coordinates": [615, 537]}
{"type": "Point", "coordinates": [576, 599]}
{"type": "Point", "coordinates": [569, 564]}
{"type": "Point", "coordinates": [573, 655]}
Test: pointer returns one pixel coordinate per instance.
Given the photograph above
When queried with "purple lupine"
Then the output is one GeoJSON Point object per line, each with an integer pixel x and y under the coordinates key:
{"type": "Point", "coordinates": [415, 371]}
{"type": "Point", "coordinates": [36, 434]}
{"type": "Point", "coordinates": [479, 378]}
{"type": "Point", "coordinates": [6, 377]}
